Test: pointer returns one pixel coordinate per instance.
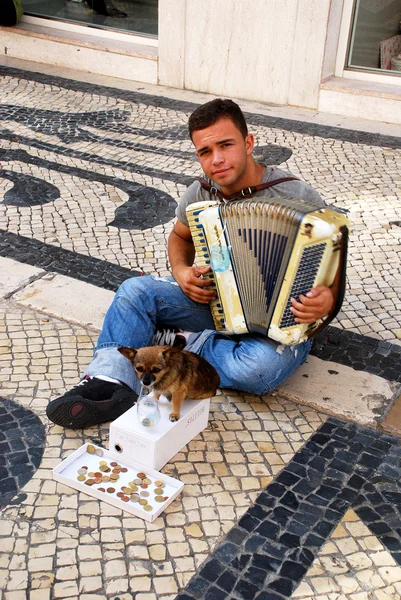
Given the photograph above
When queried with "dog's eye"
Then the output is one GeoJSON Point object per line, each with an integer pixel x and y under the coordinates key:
{"type": "Point", "coordinates": [140, 369]}
{"type": "Point", "coordinates": [156, 370]}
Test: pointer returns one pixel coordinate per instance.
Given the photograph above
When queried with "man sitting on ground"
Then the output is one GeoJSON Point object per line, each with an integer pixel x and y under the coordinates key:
{"type": "Point", "coordinates": [247, 362]}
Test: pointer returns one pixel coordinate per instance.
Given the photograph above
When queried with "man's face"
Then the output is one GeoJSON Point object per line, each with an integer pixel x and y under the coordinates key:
{"type": "Point", "coordinates": [223, 153]}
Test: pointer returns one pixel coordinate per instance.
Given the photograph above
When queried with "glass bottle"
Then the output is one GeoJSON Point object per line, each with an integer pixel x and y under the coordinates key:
{"type": "Point", "coordinates": [148, 408]}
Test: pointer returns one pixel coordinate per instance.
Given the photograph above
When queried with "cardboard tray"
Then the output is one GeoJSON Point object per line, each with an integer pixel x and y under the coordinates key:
{"type": "Point", "coordinates": [66, 472]}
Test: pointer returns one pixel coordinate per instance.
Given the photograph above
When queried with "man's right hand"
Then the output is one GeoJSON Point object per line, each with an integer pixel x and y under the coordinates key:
{"type": "Point", "coordinates": [188, 278]}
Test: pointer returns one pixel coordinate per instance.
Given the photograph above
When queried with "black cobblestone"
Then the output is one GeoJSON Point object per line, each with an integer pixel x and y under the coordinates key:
{"type": "Point", "coordinates": [23, 451]}
{"type": "Point", "coordinates": [285, 541]}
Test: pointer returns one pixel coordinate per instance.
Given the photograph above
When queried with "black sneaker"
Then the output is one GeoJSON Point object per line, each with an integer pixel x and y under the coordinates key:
{"type": "Point", "coordinates": [91, 402]}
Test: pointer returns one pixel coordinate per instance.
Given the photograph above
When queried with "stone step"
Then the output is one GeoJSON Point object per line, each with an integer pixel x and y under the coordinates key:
{"type": "Point", "coordinates": [367, 99]}
{"type": "Point", "coordinates": [326, 386]}
{"type": "Point", "coordinates": [83, 52]}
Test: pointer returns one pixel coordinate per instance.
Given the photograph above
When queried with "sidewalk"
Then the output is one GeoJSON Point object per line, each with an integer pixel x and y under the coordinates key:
{"type": "Point", "coordinates": [89, 178]}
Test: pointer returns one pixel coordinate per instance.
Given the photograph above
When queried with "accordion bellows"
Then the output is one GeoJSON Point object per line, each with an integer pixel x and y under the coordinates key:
{"type": "Point", "coordinates": [263, 252]}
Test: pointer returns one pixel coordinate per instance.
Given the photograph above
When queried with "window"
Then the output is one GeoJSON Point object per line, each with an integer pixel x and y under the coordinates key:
{"type": "Point", "coordinates": [376, 36]}
{"type": "Point", "coordinates": [139, 16]}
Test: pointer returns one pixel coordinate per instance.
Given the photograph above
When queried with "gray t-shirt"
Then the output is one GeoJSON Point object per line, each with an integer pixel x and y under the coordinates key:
{"type": "Point", "coordinates": [291, 189]}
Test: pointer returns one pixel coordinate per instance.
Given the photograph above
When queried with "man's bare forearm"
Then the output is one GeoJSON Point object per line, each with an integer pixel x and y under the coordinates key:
{"type": "Point", "coordinates": [181, 252]}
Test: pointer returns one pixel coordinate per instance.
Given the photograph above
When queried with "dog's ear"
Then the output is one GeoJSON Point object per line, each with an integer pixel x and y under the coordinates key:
{"type": "Point", "coordinates": [168, 351]}
{"type": "Point", "coordinates": [129, 353]}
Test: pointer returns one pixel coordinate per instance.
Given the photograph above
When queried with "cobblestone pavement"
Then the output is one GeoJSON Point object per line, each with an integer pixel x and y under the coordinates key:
{"type": "Point", "coordinates": [89, 180]}
{"type": "Point", "coordinates": [99, 171]}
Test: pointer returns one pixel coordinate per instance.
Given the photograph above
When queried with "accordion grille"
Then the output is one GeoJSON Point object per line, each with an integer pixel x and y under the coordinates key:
{"type": "Point", "coordinates": [261, 236]}
{"type": "Point", "coordinates": [304, 279]}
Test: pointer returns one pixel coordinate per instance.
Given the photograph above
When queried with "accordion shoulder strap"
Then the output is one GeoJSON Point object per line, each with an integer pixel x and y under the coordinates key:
{"type": "Point", "coordinates": [246, 192]}
{"type": "Point", "coordinates": [339, 284]}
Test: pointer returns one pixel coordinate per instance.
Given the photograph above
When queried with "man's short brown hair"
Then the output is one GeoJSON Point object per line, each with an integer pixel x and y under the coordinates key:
{"type": "Point", "coordinates": [207, 115]}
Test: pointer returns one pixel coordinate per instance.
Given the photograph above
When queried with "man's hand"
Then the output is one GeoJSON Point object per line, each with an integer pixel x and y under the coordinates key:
{"type": "Point", "coordinates": [188, 278]}
{"type": "Point", "coordinates": [314, 305]}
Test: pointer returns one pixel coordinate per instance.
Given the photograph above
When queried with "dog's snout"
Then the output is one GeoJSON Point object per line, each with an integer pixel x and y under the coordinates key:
{"type": "Point", "coordinates": [148, 379]}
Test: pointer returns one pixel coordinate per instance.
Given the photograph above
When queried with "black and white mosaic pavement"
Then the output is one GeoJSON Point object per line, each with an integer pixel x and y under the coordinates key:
{"type": "Point", "coordinates": [95, 173]}
{"type": "Point", "coordinates": [22, 441]}
{"type": "Point", "coordinates": [89, 180]}
{"type": "Point", "coordinates": [268, 553]}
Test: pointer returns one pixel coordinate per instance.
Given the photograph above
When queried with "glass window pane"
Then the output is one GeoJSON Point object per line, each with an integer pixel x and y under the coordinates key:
{"type": "Point", "coordinates": [139, 16]}
{"type": "Point", "coordinates": [376, 35]}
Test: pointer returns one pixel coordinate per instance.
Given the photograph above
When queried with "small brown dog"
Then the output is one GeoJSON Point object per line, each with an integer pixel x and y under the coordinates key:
{"type": "Point", "coordinates": [175, 373]}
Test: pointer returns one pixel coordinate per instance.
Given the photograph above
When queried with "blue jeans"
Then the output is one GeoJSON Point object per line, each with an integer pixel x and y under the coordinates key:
{"type": "Point", "coordinates": [248, 362]}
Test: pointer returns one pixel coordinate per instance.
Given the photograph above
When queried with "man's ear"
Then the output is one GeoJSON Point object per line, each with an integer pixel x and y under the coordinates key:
{"type": "Point", "coordinates": [250, 143]}
{"type": "Point", "coordinates": [129, 353]}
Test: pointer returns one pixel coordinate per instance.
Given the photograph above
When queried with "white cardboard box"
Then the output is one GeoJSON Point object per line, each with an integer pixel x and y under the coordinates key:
{"type": "Point", "coordinates": [66, 472]}
{"type": "Point", "coordinates": [154, 446]}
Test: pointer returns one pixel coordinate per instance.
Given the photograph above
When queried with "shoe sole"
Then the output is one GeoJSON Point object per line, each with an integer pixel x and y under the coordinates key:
{"type": "Point", "coordinates": [92, 413]}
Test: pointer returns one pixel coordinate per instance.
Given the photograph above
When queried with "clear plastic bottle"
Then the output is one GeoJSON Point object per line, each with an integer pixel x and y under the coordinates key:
{"type": "Point", "coordinates": [148, 408]}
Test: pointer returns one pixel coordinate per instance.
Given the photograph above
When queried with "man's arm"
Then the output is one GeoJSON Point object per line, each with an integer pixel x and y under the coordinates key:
{"type": "Point", "coordinates": [181, 253]}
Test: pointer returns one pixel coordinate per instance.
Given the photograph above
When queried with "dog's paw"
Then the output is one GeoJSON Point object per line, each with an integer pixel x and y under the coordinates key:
{"type": "Point", "coordinates": [173, 417]}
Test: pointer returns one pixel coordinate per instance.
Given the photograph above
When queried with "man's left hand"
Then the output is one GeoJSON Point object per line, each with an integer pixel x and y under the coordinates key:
{"type": "Point", "coordinates": [314, 305]}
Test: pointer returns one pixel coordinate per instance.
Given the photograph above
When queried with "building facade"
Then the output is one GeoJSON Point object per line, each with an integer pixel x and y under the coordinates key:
{"type": "Point", "coordinates": [337, 56]}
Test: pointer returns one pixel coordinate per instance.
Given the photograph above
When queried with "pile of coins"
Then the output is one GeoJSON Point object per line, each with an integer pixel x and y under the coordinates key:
{"type": "Point", "coordinates": [136, 491]}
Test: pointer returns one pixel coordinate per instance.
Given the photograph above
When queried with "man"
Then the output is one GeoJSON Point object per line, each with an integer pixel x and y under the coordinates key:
{"type": "Point", "coordinates": [246, 362]}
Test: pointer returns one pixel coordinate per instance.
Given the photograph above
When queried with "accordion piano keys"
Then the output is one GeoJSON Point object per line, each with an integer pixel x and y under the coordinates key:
{"type": "Point", "coordinates": [203, 260]}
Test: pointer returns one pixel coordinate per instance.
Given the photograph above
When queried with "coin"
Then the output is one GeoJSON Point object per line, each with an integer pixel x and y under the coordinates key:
{"type": "Point", "coordinates": [98, 480]}
{"type": "Point", "coordinates": [102, 468]}
{"type": "Point", "coordinates": [81, 477]}
{"type": "Point", "coordinates": [81, 471]}
{"type": "Point", "coordinates": [105, 478]}
{"type": "Point", "coordinates": [159, 498]}
{"type": "Point", "coordinates": [83, 467]}
{"type": "Point", "coordinates": [101, 490]}
{"type": "Point", "coordinates": [91, 474]}
{"type": "Point", "coordinates": [114, 476]}
{"type": "Point", "coordinates": [165, 498]}
{"type": "Point", "coordinates": [146, 480]}
{"type": "Point", "coordinates": [144, 486]}
{"type": "Point", "coordinates": [142, 502]}
{"type": "Point", "coordinates": [113, 464]}
{"type": "Point", "coordinates": [91, 449]}
{"type": "Point", "coordinates": [125, 498]}
{"type": "Point", "coordinates": [111, 490]}
{"type": "Point", "coordinates": [137, 481]}
{"type": "Point", "coordinates": [90, 481]}
{"type": "Point", "coordinates": [116, 470]}
{"type": "Point", "coordinates": [124, 469]}
{"type": "Point", "coordinates": [141, 475]}
{"type": "Point", "coordinates": [107, 470]}
{"type": "Point", "coordinates": [144, 494]}
{"type": "Point", "coordinates": [147, 507]}
{"type": "Point", "coordinates": [132, 484]}
{"type": "Point", "coordinates": [134, 497]}
{"type": "Point", "coordinates": [158, 491]}
{"type": "Point", "coordinates": [158, 483]}
{"type": "Point", "coordinates": [120, 494]}
{"type": "Point", "coordinates": [127, 490]}
{"type": "Point", "coordinates": [97, 474]}
{"type": "Point", "coordinates": [103, 462]}
{"type": "Point", "coordinates": [99, 452]}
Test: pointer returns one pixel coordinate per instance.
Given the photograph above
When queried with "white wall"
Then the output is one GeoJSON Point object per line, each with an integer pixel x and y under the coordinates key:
{"type": "Point", "coordinates": [263, 50]}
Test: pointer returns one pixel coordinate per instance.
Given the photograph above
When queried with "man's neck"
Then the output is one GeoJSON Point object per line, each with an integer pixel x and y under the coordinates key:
{"type": "Point", "coordinates": [252, 176]}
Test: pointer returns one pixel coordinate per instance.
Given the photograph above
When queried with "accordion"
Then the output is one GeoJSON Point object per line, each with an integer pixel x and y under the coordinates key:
{"type": "Point", "coordinates": [263, 252]}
